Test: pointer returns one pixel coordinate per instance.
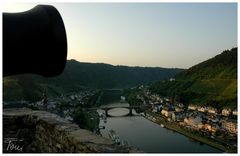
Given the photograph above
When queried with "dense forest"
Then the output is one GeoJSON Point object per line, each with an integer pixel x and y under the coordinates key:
{"type": "Point", "coordinates": [78, 76]}
{"type": "Point", "coordinates": [212, 82]}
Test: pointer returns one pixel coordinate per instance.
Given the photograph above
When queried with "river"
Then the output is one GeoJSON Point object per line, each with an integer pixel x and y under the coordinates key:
{"type": "Point", "coordinates": [148, 136]}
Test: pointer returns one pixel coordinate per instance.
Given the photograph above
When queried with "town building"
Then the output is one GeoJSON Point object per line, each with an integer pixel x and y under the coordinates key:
{"type": "Point", "coordinates": [212, 110]}
{"type": "Point", "coordinates": [165, 112]}
{"type": "Point", "coordinates": [178, 109]}
{"type": "Point", "coordinates": [211, 127]}
{"type": "Point", "coordinates": [157, 109]}
{"type": "Point", "coordinates": [230, 126]}
{"type": "Point", "coordinates": [201, 109]}
{"type": "Point", "coordinates": [195, 123]}
{"type": "Point", "coordinates": [180, 105]}
{"type": "Point", "coordinates": [192, 107]}
{"type": "Point", "coordinates": [235, 112]}
{"type": "Point", "coordinates": [166, 99]}
{"type": "Point", "coordinates": [178, 116]}
{"type": "Point", "coordinates": [207, 126]}
{"type": "Point", "coordinates": [226, 111]}
{"type": "Point", "coordinates": [213, 119]}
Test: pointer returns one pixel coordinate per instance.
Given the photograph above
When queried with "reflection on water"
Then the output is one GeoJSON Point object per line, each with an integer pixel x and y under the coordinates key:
{"type": "Point", "coordinates": [118, 112]}
{"type": "Point", "coordinates": [148, 136]}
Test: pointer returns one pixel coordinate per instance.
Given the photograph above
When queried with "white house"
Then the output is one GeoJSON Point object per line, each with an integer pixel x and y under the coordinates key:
{"type": "Point", "coordinates": [226, 112]}
{"type": "Point", "coordinates": [201, 109]}
{"type": "Point", "coordinates": [235, 112]}
{"type": "Point", "coordinates": [192, 107]}
{"type": "Point", "coordinates": [212, 110]}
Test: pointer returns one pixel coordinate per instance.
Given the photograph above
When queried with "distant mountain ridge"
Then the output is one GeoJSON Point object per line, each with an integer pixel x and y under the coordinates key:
{"type": "Point", "coordinates": [78, 75]}
{"type": "Point", "coordinates": [102, 75]}
{"type": "Point", "coordinates": [212, 82]}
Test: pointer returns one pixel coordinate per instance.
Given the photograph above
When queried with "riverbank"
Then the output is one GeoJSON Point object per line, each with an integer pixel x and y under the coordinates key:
{"type": "Point", "coordinates": [190, 134]}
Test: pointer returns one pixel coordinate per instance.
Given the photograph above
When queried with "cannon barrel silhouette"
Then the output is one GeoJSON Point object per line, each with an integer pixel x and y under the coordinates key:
{"type": "Point", "coordinates": [34, 42]}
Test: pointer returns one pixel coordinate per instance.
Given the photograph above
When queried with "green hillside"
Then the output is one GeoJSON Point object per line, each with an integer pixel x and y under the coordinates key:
{"type": "Point", "coordinates": [100, 75]}
{"type": "Point", "coordinates": [212, 82]}
{"type": "Point", "coordinates": [78, 76]}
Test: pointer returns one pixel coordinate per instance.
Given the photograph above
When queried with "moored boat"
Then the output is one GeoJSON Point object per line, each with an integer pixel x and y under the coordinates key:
{"type": "Point", "coordinates": [114, 136]}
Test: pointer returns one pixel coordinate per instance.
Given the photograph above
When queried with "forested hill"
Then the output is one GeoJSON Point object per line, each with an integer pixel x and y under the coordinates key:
{"type": "Point", "coordinates": [78, 75]}
{"type": "Point", "coordinates": [108, 76]}
{"type": "Point", "coordinates": [212, 82]}
{"type": "Point", "coordinates": [222, 66]}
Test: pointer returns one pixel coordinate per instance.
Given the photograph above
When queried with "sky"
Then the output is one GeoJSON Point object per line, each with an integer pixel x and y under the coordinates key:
{"type": "Point", "coordinates": [145, 34]}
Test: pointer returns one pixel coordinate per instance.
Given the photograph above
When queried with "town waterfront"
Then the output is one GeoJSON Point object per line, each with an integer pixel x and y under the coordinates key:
{"type": "Point", "coordinates": [148, 136]}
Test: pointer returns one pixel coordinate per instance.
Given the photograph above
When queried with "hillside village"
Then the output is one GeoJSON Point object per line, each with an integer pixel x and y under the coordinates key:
{"type": "Point", "coordinates": [67, 106]}
{"type": "Point", "coordinates": [218, 125]}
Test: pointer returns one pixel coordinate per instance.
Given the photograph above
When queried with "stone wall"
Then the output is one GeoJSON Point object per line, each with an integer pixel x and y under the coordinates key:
{"type": "Point", "coordinates": [28, 131]}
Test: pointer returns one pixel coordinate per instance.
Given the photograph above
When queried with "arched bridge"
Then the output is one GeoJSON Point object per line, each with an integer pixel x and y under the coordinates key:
{"type": "Point", "coordinates": [107, 108]}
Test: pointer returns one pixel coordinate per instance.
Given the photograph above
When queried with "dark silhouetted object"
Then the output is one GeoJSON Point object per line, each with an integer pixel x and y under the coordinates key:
{"type": "Point", "coordinates": [34, 42]}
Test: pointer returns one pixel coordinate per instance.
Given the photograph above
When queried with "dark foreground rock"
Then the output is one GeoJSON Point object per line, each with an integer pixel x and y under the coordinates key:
{"type": "Point", "coordinates": [28, 131]}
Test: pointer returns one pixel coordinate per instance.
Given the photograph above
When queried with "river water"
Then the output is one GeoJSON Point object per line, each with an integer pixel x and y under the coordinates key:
{"type": "Point", "coordinates": [148, 136]}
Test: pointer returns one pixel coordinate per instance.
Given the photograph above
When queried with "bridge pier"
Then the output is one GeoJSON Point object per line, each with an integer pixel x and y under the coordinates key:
{"type": "Point", "coordinates": [130, 111]}
{"type": "Point", "coordinates": [106, 112]}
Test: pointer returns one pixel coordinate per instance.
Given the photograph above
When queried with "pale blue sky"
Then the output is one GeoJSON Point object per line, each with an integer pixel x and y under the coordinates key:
{"type": "Point", "coordinates": [146, 34]}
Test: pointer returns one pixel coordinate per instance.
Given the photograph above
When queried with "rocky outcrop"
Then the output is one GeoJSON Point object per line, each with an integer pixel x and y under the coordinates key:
{"type": "Point", "coordinates": [28, 131]}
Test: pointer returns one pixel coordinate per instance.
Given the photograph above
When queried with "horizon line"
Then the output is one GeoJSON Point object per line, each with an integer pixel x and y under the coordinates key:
{"type": "Point", "coordinates": [72, 59]}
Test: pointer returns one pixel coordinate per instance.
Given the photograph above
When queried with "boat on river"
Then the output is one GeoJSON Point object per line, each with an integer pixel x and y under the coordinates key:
{"type": "Point", "coordinates": [114, 136]}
